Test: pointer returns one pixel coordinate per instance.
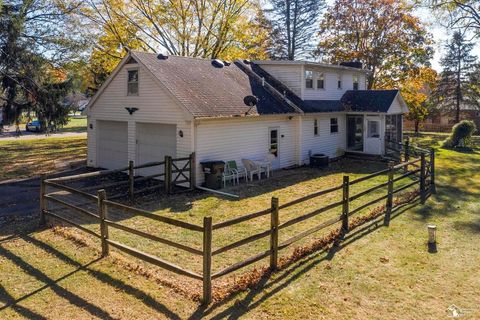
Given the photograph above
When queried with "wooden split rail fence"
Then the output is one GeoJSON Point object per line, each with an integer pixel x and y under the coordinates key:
{"type": "Point", "coordinates": [424, 179]}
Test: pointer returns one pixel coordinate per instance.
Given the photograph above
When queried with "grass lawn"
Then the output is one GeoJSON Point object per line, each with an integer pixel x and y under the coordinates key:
{"type": "Point", "coordinates": [375, 273]}
{"type": "Point", "coordinates": [75, 124]}
{"type": "Point", "coordinates": [30, 157]}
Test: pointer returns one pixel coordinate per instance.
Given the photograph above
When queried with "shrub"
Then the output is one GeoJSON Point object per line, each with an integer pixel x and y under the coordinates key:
{"type": "Point", "coordinates": [461, 135]}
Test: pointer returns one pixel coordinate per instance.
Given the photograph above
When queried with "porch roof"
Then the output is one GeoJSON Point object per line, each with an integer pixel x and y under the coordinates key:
{"type": "Point", "coordinates": [368, 100]}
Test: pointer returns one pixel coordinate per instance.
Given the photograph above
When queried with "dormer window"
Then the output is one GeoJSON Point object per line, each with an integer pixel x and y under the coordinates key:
{"type": "Point", "coordinates": [132, 83]}
{"type": "Point", "coordinates": [320, 81]}
{"type": "Point", "coordinates": [339, 81]}
{"type": "Point", "coordinates": [355, 82]}
{"type": "Point", "coordinates": [308, 79]}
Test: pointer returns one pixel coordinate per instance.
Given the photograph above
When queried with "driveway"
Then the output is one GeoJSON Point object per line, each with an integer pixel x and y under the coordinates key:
{"type": "Point", "coordinates": [20, 197]}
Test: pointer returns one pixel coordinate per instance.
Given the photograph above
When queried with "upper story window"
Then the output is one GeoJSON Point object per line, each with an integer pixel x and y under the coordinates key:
{"type": "Point", "coordinates": [333, 125]}
{"type": "Point", "coordinates": [132, 83]}
{"type": "Point", "coordinates": [339, 81]}
{"type": "Point", "coordinates": [315, 127]}
{"type": "Point", "coordinates": [308, 79]}
{"type": "Point", "coordinates": [320, 81]}
{"type": "Point", "coordinates": [355, 82]}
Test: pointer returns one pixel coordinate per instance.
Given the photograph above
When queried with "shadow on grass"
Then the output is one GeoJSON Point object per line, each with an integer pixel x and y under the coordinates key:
{"type": "Point", "coordinates": [285, 277]}
{"type": "Point", "coordinates": [72, 298]}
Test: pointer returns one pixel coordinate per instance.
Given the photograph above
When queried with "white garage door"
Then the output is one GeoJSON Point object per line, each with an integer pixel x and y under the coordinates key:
{"type": "Point", "coordinates": [154, 142]}
{"type": "Point", "coordinates": [112, 144]}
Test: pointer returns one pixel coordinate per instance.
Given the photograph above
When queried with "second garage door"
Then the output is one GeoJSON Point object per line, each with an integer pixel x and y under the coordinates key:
{"type": "Point", "coordinates": [112, 144]}
{"type": "Point", "coordinates": [154, 142]}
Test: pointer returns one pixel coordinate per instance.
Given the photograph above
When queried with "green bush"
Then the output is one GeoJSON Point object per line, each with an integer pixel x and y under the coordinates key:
{"type": "Point", "coordinates": [461, 135]}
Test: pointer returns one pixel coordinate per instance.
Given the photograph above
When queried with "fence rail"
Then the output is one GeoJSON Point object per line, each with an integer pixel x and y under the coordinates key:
{"type": "Point", "coordinates": [423, 175]}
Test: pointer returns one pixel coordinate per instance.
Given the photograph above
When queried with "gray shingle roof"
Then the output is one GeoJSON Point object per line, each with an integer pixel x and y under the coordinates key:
{"type": "Point", "coordinates": [208, 91]}
{"type": "Point", "coordinates": [368, 100]}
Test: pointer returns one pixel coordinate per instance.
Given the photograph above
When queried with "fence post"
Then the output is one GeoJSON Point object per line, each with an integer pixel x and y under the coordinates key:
{"type": "Point", "coordinates": [422, 178]}
{"type": "Point", "coordinates": [274, 221]}
{"type": "Point", "coordinates": [193, 173]}
{"type": "Point", "coordinates": [207, 260]}
{"type": "Point", "coordinates": [131, 180]}
{"type": "Point", "coordinates": [43, 206]}
{"type": "Point", "coordinates": [389, 206]}
{"type": "Point", "coordinates": [102, 213]}
{"type": "Point", "coordinates": [346, 200]}
{"type": "Point", "coordinates": [168, 174]}
{"type": "Point", "coordinates": [407, 153]}
{"type": "Point", "coordinates": [433, 188]}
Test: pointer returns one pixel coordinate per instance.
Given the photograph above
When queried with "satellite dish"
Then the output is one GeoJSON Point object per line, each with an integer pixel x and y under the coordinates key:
{"type": "Point", "coordinates": [250, 101]}
{"type": "Point", "coordinates": [217, 63]}
{"type": "Point", "coordinates": [162, 57]}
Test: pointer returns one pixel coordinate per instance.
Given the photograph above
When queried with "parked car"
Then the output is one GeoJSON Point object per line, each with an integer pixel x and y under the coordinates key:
{"type": "Point", "coordinates": [33, 126]}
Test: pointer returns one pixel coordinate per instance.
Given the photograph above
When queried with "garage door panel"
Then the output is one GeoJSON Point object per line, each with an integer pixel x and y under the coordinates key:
{"type": "Point", "coordinates": [112, 147]}
{"type": "Point", "coordinates": [154, 142]}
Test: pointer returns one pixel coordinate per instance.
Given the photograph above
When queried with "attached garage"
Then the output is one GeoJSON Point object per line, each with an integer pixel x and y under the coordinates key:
{"type": "Point", "coordinates": [112, 144]}
{"type": "Point", "coordinates": [154, 142]}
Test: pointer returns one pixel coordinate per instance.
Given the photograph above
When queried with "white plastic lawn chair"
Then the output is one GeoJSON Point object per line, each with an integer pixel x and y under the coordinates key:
{"type": "Point", "coordinates": [252, 168]}
{"type": "Point", "coordinates": [240, 172]}
{"type": "Point", "coordinates": [269, 160]}
{"type": "Point", "coordinates": [228, 175]}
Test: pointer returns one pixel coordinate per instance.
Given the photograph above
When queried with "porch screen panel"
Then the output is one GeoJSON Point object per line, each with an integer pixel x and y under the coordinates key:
{"type": "Point", "coordinates": [399, 127]}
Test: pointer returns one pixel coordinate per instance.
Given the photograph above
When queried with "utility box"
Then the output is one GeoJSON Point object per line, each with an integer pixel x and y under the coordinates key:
{"type": "Point", "coordinates": [213, 171]}
{"type": "Point", "coordinates": [319, 160]}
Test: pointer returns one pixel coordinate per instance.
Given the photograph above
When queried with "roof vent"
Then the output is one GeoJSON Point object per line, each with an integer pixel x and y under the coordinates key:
{"type": "Point", "coordinates": [352, 64]}
{"type": "Point", "coordinates": [162, 57]}
{"type": "Point", "coordinates": [226, 62]}
{"type": "Point", "coordinates": [250, 101]}
{"type": "Point", "coordinates": [217, 63]}
{"type": "Point", "coordinates": [246, 61]}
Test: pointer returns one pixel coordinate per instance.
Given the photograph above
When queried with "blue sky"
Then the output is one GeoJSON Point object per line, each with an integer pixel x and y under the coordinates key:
{"type": "Point", "coordinates": [440, 35]}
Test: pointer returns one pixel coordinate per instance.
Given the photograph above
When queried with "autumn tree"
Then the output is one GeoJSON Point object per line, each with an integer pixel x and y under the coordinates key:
{"type": "Point", "coordinates": [294, 23]}
{"type": "Point", "coordinates": [196, 28]}
{"type": "Point", "coordinates": [382, 34]}
{"type": "Point", "coordinates": [454, 88]}
{"type": "Point", "coordinates": [417, 88]}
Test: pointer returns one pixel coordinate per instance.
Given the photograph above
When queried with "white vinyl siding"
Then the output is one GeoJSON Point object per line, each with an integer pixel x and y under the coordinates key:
{"type": "Point", "coordinates": [236, 139]}
{"type": "Point", "coordinates": [332, 145]}
{"type": "Point", "coordinates": [155, 105]}
{"type": "Point", "coordinates": [330, 79]}
{"type": "Point", "coordinates": [291, 76]}
{"type": "Point", "coordinates": [396, 106]}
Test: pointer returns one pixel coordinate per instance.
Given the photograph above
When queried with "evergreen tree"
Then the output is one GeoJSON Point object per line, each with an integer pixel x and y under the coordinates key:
{"type": "Point", "coordinates": [29, 83]}
{"type": "Point", "coordinates": [454, 89]}
{"type": "Point", "coordinates": [294, 23]}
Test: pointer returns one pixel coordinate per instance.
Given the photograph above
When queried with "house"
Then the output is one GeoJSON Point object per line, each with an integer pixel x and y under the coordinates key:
{"type": "Point", "coordinates": [155, 105]}
{"type": "Point", "coordinates": [443, 121]}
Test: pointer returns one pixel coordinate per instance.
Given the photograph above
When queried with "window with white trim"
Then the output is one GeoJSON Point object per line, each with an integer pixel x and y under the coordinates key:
{"type": "Point", "coordinates": [355, 82]}
{"type": "Point", "coordinates": [339, 81]}
{"type": "Point", "coordinates": [315, 127]}
{"type": "Point", "coordinates": [309, 79]}
{"type": "Point", "coordinates": [333, 125]}
{"type": "Point", "coordinates": [320, 81]}
{"type": "Point", "coordinates": [132, 83]}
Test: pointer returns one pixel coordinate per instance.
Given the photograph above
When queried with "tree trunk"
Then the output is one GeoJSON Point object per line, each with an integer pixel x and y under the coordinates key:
{"type": "Point", "coordinates": [417, 125]}
{"type": "Point", "coordinates": [289, 30]}
{"type": "Point", "coordinates": [458, 93]}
